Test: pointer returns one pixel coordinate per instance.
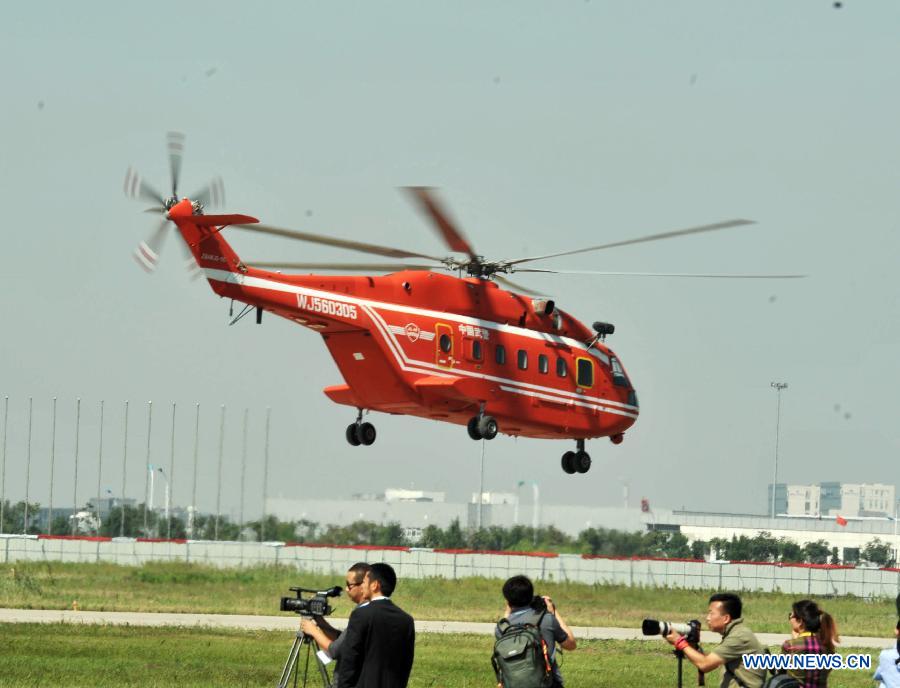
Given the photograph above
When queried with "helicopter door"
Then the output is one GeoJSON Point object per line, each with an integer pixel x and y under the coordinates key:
{"type": "Point", "coordinates": [443, 345]}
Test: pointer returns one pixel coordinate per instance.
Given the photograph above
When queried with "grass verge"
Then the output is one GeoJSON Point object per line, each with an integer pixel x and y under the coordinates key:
{"type": "Point", "coordinates": [179, 587]}
{"type": "Point", "coordinates": [107, 656]}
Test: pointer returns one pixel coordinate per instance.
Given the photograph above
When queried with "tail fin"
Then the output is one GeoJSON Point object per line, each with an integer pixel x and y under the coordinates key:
{"type": "Point", "coordinates": [202, 234]}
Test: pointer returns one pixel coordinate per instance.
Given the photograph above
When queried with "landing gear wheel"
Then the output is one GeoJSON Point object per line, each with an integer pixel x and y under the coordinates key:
{"type": "Point", "coordinates": [487, 427]}
{"type": "Point", "coordinates": [353, 435]}
{"type": "Point", "coordinates": [367, 433]}
{"type": "Point", "coordinates": [568, 462]}
{"type": "Point", "coordinates": [472, 427]}
{"type": "Point", "coordinates": [582, 462]}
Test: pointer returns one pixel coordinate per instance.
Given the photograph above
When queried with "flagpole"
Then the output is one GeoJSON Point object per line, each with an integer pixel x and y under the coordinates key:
{"type": "Point", "coordinates": [778, 387]}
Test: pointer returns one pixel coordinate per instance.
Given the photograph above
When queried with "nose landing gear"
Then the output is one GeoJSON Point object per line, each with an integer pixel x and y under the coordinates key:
{"type": "Point", "coordinates": [360, 433]}
{"type": "Point", "coordinates": [576, 461]}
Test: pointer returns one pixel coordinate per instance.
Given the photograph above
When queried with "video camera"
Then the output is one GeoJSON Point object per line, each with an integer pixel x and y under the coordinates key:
{"type": "Point", "coordinates": [690, 630]}
{"type": "Point", "coordinates": [317, 605]}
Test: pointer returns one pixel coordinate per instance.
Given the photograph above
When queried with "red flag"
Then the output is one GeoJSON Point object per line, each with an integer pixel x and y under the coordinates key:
{"type": "Point", "coordinates": [841, 521]}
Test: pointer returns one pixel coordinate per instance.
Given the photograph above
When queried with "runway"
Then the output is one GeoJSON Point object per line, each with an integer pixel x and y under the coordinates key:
{"type": "Point", "coordinates": [290, 623]}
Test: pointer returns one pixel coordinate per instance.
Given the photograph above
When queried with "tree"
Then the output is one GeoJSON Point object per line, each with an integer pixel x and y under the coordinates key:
{"type": "Point", "coordinates": [432, 536]}
{"type": "Point", "coordinates": [699, 549]}
{"type": "Point", "coordinates": [14, 517]}
{"type": "Point", "coordinates": [816, 552]}
{"type": "Point", "coordinates": [719, 547]}
{"type": "Point", "coordinates": [112, 525]}
{"type": "Point", "coordinates": [878, 553]}
{"type": "Point", "coordinates": [453, 536]}
{"type": "Point", "coordinates": [789, 551]}
{"type": "Point", "coordinates": [763, 547]}
{"type": "Point", "coordinates": [60, 526]}
{"type": "Point", "coordinates": [738, 549]}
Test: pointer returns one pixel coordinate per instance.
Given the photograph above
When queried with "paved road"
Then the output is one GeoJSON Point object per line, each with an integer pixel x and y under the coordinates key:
{"type": "Point", "coordinates": [289, 623]}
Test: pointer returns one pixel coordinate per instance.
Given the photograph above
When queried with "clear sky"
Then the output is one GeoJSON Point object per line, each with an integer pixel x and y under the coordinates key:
{"type": "Point", "coordinates": [548, 126]}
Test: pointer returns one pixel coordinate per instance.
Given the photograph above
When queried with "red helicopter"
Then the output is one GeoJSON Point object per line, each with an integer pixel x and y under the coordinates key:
{"type": "Point", "coordinates": [455, 348]}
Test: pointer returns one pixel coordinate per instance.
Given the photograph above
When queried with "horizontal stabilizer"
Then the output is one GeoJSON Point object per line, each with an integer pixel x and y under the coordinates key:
{"type": "Point", "coordinates": [342, 394]}
{"type": "Point", "coordinates": [222, 220]}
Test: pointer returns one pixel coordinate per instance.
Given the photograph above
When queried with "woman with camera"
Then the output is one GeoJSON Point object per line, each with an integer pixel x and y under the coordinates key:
{"type": "Point", "coordinates": [813, 631]}
{"type": "Point", "coordinates": [888, 672]}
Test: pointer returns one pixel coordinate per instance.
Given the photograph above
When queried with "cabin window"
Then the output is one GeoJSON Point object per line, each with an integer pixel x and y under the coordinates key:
{"type": "Point", "coordinates": [585, 372]}
{"type": "Point", "coordinates": [561, 368]}
{"type": "Point", "coordinates": [543, 364]}
{"type": "Point", "coordinates": [474, 349]}
{"type": "Point", "coordinates": [523, 359]}
{"type": "Point", "coordinates": [500, 354]}
{"type": "Point", "coordinates": [445, 343]}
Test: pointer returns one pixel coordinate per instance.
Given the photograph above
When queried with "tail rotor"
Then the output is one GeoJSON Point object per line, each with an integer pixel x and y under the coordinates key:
{"type": "Point", "coordinates": [148, 251]}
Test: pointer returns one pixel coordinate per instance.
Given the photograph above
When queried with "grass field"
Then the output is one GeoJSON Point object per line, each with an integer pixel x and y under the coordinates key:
{"type": "Point", "coordinates": [101, 656]}
{"type": "Point", "coordinates": [178, 587]}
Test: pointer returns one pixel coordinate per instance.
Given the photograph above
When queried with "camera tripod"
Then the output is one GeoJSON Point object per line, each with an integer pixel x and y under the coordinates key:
{"type": "Point", "coordinates": [292, 665]}
{"type": "Point", "coordinates": [701, 677]}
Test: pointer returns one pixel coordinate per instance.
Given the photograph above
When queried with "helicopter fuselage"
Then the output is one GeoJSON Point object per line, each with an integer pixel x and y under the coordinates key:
{"type": "Point", "coordinates": [436, 346]}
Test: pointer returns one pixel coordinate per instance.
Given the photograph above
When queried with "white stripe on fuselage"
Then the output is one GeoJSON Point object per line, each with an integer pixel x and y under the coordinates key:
{"type": "Point", "coordinates": [427, 368]}
{"type": "Point", "coordinates": [567, 397]}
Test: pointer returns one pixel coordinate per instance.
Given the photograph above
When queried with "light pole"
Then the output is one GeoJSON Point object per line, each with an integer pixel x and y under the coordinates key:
{"type": "Point", "coordinates": [778, 387]}
{"type": "Point", "coordinates": [168, 523]}
{"type": "Point", "coordinates": [518, 499]}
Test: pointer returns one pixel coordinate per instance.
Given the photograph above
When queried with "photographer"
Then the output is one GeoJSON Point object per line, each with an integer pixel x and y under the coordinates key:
{"type": "Point", "coordinates": [724, 616]}
{"type": "Point", "coordinates": [380, 637]}
{"type": "Point", "coordinates": [522, 607]}
{"type": "Point", "coordinates": [327, 636]}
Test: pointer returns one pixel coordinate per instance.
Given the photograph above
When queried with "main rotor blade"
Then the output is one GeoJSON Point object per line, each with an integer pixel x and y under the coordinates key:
{"type": "Point", "coordinates": [352, 267]}
{"type": "Point", "coordinates": [452, 236]}
{"type": "Point", "coordinates": [517, 287]}
{"type": "Point", "coordinates": [212, 195]}
{"type": "Point", "coordinates": [333, 241]}
{"type": "Point", "coordinates": [136, 187]}
{"type": "Point", "coordinates": [147, 252]}
{"type": "Point", "coordinates": [659, 274]}
{"type": "Point", "coordinates": [176, 149]}
{"type": "Point", "coordinates": [650, 237]}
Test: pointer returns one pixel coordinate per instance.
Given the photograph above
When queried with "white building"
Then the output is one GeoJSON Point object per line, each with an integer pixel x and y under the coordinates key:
{"type": "Point", "coordinates": [854, 536]}
{"type": "Point", "coordinates": [850, 500]}
{"type": "Point", "coordinates": [494, 498]}
{"type": "Point", "coordinates": [393, 494]}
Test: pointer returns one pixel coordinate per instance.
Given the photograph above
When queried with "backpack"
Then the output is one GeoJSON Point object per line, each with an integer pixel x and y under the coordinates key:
{"type": "Point", "coordinates": [521, 657]}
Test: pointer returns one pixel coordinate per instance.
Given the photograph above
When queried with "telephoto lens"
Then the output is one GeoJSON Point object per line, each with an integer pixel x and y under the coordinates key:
{"type": "Point", "coordinates": [654, 627]}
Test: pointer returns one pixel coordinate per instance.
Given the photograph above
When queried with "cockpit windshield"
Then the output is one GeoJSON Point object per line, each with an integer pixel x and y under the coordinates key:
{"type": "Point", "coordinates": [619, 377]}
{"type": "Point", "coordinates": [596, 353]}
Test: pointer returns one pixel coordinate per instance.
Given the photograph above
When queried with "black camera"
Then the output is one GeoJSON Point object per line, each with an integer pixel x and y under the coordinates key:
{"type": "Point", "coordinates": [690, 630]}
{"type": "Point", "coordinates": [316, 605]}
{"type": "Point", "coordinates": [538, 604]}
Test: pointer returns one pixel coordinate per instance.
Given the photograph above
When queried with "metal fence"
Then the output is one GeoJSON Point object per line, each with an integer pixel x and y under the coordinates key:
{"type": "Point", "coordinates": [819, 581]}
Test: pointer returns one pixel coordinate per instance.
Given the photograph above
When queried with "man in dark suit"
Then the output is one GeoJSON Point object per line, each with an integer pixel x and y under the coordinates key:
{"type": "Point", "coordinates": [380, 639]}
